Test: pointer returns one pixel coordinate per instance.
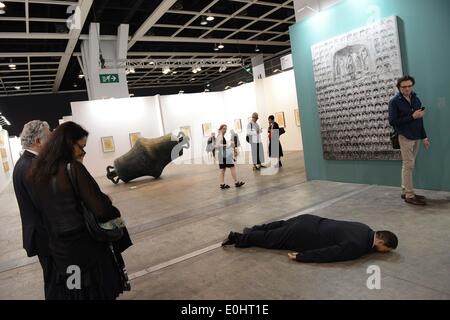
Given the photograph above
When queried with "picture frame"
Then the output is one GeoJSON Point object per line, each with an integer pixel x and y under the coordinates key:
{"type": "Point", "coordinates": [238, 125]}
{"type": "Point", "coordinates": [6, 166]}
{"type": "Point", "coordinates": [134, 136]}
{"type": "Point", "coordinates": [187, 131]}
{"type": "Point", "coordinates": [2, 141]}
{"type": "Point", "coordinates": [3, 153]}
{"type": "Point", "coordinates": [108, 144]}
{"type": "Point", "coordinates": [297, 117]}
{"type": "Point", "coordinates": [279, 118]}
{"type": "Point", "coordinates": [207, 129]}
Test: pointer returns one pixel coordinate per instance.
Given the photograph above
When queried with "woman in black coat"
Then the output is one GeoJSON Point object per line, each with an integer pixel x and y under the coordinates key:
{"type": "Point", "coordinates": [274, 126]}
{"type": "Point", "coordinates": [103, 274]}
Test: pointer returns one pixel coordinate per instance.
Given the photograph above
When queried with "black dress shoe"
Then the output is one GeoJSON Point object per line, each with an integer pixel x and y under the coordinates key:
{"type": "Point", "coordinates": [416, 201]}
{"type": "Point", "coordinates": [231, 239]}
{"type": "Point", "coordinates": [418, 196]}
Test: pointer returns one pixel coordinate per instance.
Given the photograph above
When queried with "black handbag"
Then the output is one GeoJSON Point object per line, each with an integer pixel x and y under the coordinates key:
{"type": "Point", "coordinates": [394, 140]}
{"type": "Point", "coordinates": [103, 232]}
{"type": "Point", "coordinates": [282, 131]}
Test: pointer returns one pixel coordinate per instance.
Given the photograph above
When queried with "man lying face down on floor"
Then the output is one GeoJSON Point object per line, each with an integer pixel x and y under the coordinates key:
{"type": "Point", "coordinates": [315, 239]}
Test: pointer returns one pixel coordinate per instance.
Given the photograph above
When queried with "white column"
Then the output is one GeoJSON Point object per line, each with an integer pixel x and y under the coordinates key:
{"type": "Point", "coordinates": [91, 50]}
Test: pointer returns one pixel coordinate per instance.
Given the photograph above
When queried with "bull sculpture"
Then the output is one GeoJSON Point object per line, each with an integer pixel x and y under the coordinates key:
{"type": "Point", "coordinates": [148, 157]}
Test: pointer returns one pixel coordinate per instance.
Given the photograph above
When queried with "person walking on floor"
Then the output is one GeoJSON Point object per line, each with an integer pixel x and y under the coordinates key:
{"type": "Point", "coordinates": [254, 138]}
{"type": "Point", "coordinates": [315, 239]}
{"type": "Point", "coordinates": [34, 234]}
{"type": "Point", "coordinates": [225, 156]}
{"type": "Point", "coordinates": [406, 116]}
{"type": "Point", "coordinates": [103, 274]}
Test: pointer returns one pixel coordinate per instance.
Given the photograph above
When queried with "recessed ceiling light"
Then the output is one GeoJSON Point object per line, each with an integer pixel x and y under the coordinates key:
{"type": "Point", "coordinates": [204, 22]}
{"type": "Point", "coordinates": [221, 46]}
{"type": "Point", "coordinates": [80, 76]}
{"type": "Point", "coordinates": [2, 11]}
{"type": "Point", "coordinates": [12, 65]}
{"type": "Point", "coordinates": [132, 70]}
{"type": "Point", "coordinates": [180, 92]}
{"type": "Point", "coordinates": [207, 90]}
{"type": "Point", "coordinates": [2, 5]}
{"type": "Point", "coordinates": [17, 87]}
{"type": "Point", "coordinates": [193, 79]}
{"type": "Point", "coordinates": [216, 49]}
{"type": "Point", "coordinates": [209, 18]}
{"type": "Point", "coordinates": [208, 85]}
{"type": "Point", "coordinates": [257, 49]}
{"type": "Point", "coordinates": [75, 85]}
{"type": "Point", "coordinates": [175, 72]}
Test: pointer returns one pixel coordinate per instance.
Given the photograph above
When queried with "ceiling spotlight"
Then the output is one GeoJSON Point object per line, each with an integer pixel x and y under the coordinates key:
{"type": "Point", "coordinates": [194, 70]}
{"type": "Point", "coordinates": [2, 5]}
{"type": "Point", "coordinates": [132, 70]}
{"type": "Point", "coordinates": [276, 70]}
{"type": "Point", "coordinates": [11, 65]}
{"type": "Point", "coordinates": [2, 11]}
{"type": "Point", "coordinates": [127, 72]}
{"type": "Point", "coordinates": [209, 18]}
{"type": "Point", "coordinates": [180, 92]}
{"type": "Point", "coordinates": [208, 85]}
{"type": "Point", "coordinates": [165, 70]}
{"type": "Point", "coordinates": [75, 85]}
{"type": "Point", "coordinates": [17, 87]}
{"type": "Point", "coordinates": [257, 49]}
{"type": "Point", "coordinates": [204, 22]}
{"type": "Point", "coordinates": [192, 79]}
{"type": "Point", "coordinates": [131, 95]}
{"type": "Point", "coordinates": [151, 63]}
{"type": "Point", "coordinates": [80, 76]}
{"type": "Point", "coordinates": [221, 46]}
{"type": "Point", "coordinates": [207, 90]}
{"type": "Point", "coordinates": [174, 72]}
{"type": "Point", "coordinates": [216, 48]}
{"type": "Point", "coordinates": [227, 87]}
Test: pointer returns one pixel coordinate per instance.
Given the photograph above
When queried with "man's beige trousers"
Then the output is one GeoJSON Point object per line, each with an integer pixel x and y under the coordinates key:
{"type": "Point", "coordinates": [409, 150]}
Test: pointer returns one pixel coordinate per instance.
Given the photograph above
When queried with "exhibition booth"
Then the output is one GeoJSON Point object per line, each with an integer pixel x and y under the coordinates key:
{"type": "Point", "coordinates": [115, 124]}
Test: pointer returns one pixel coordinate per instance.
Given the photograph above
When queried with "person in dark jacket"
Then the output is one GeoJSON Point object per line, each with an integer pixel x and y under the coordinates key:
{"type": "Point", "coordinates": [315, 239]}
{"type": "Point", "coordinates": [103, 274]}
{"type": "Point", "coordinates": [275, 135]}
{"type": "Point", "coordinates": [34, 234]}
{"type": "Point", "coordinates": [406, 116]}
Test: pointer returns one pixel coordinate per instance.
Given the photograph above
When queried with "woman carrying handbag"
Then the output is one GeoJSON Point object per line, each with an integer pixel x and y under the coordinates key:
{"type": "Point", "coordinates": [65, 197]}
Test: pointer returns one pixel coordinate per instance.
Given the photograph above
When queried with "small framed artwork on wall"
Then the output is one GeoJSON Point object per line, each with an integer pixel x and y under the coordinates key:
{"type": "Point", "coordinates": [3, 153]}
{"type": "Point", "coordinates": [279, 118]}
{"type": "Point", "coordinates": [238, 125]}
{"type": "Point", "coordinates": [186, 130]}
{"type": "Point", "coordinates": [6, 166]}
{"type": "Point", "coordinates": [206, 127]}
{"type": "Point", "coordinates": [297, 117]}
{"type": "Point", "coordinates": [134, 137]}
{"type": "Point", "coordinates": [108, 144]}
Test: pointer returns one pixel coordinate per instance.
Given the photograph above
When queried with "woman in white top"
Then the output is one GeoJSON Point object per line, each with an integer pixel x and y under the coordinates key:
{"type": "Point", "coordinates": [225, 157]}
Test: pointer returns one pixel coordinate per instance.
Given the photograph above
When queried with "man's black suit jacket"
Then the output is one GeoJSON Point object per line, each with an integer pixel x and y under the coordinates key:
{"type": "Point", "coordinates": [34, 234]}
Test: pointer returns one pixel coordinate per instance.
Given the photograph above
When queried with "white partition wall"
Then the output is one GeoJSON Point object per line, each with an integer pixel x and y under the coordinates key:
{"type": "Point", "coordinates": [6, 162]}
{"type": "Point", "coordinates": [117, 118]}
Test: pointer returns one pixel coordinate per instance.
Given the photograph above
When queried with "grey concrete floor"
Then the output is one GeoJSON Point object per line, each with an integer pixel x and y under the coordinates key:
{"type": "Point", "coordinates": [177, 223]}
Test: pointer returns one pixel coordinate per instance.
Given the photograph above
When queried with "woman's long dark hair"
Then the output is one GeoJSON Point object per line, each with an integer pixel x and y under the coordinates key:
{"type": "Point", "coordinates": [58, 149]}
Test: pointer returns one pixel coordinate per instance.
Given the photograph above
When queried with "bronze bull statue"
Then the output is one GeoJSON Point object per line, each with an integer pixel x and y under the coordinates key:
{"type": "Point", "coordinates": [148, 157]}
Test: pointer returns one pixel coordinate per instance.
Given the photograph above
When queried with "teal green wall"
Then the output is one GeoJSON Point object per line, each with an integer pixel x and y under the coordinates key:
{"type": "Point", "coordinates": [424, 29]}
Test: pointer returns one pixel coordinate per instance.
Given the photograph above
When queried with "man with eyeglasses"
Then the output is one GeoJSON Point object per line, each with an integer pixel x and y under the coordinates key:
{"type": "Point", "coordinates": [406, 116]}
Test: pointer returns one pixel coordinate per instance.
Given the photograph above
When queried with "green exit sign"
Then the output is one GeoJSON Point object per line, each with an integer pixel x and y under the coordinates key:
{"type": "Point", "coordinates": [109, 78]}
